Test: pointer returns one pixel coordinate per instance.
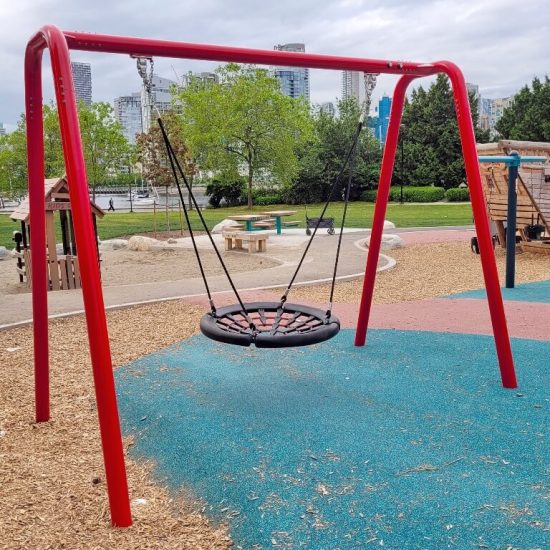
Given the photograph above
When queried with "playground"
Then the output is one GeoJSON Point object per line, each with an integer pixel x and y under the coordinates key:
{"type": "Point", "coordinates": [412, 415]}
{"type": "Point", "coordinates": [424, 396]}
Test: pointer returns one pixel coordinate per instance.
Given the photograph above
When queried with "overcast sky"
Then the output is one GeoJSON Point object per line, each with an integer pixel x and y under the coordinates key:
{"type": "Point", "coordinates": [499, 44]}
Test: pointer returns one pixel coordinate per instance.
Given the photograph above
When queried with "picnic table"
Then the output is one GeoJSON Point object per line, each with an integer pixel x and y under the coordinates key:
{"type": "Point", "coordinates": [278, 215]}
{"type": "Point", "coordinates": [248, 219]}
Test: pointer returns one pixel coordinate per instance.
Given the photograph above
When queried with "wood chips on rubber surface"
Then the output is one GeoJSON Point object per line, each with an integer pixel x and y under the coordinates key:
{"type": "Point", "coordinates": [53, 492]}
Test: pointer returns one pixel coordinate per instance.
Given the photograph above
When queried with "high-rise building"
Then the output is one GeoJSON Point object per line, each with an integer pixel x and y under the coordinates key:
{"type": "Point", "coordinates": [82, 77]}
{"type": "Point", "coordinates": [203, 77]}
{"type": "Point", "coordinates": [2, 129]}
{"type": "Point", "coordinates": [128, 114]}
{"type": "Point", "coordinates": [352, 85]}
{"type": "Point", "coordinates": [294, 81]}
{"type": "Point", "coordinates": [497, 109]}
{"type": "Point", "coordinates": [328, 107]}
{"type": "Point", "coordinates": [379, 124]}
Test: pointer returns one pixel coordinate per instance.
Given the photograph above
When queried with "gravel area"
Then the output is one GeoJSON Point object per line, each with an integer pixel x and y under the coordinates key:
{"type": "Point", "coordinates": [51, 475]}
{"type": "Point", "coordinates": [428, 271]}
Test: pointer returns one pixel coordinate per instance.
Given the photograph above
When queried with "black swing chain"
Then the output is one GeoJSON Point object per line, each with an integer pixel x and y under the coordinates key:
{"type": "Point", "coordinates": [174, 162]}
{"type": "Point", "coordinates": [350, 158]}
{"type": "Point", "coordinates": [346, 203]}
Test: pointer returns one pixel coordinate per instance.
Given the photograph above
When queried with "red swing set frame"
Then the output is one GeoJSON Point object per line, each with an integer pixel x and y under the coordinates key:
{"type": "Point", "coordinates": [59, 43]}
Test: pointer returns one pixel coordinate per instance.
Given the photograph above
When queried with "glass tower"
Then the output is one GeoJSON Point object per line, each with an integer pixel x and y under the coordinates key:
{"type": "Point", "coordinates": [294, 80]}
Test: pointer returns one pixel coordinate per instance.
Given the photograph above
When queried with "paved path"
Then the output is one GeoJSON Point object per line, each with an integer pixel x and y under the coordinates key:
{"type": "Point", "coordinates": [286, 249]}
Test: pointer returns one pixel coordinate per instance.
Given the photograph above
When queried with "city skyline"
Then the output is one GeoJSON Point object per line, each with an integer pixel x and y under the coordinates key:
{"type": "Point", "coordinates": [467, 34]}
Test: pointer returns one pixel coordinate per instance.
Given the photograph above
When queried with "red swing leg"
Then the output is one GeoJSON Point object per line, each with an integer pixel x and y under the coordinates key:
{"type": "Point", "coordinates": [481, 220]}
{"type": "Point", "coordinates": [490, 273]}
{"type": "Point", "coordinates": [384, 183]}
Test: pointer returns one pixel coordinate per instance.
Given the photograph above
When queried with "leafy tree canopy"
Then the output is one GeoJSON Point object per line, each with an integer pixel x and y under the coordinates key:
{"type": "Point", "coordinates": [152, 152]}
{"type": "Point", "coordinates": [324, 155]}
{"type": "Point", "coordinates": [105, 147]}
{"type": "Point", "coordinates": [244, 121]}
{"type": "Point", "coordinates": [528, 118]}
{"type": "Point", "coordinates": [432, 153]}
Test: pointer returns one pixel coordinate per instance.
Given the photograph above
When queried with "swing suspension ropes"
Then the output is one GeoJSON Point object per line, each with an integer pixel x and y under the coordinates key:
{"type": "Point", "coordinates": [265, 323]}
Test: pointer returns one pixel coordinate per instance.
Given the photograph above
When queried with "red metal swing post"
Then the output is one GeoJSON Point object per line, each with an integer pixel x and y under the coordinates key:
{"type": "Point", "coordinates": [59, 44]}
{"type": "Point", "coordinates": [481, 221]}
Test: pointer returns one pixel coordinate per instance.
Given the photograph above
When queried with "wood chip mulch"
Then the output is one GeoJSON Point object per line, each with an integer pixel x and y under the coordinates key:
{"type": "Point", "coordinates": [52, 482]}
{"type": "Point", "coordinates": [427, 271]}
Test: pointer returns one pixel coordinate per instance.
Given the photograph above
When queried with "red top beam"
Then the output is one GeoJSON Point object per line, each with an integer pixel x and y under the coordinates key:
{"type": "Point", "coordinates": [163, 48]}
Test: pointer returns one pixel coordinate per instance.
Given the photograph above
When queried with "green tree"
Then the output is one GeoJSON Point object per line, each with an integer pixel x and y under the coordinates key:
{"type": "Point", "coordinates": [105, 148]}
{"type": "Point", "coordinates": [244, 122]}
{"type": "Point", "coordinates": [528, 117]}
{"type": "Point", "coordinates": [153, 157]}
{"type": "Point", "coordinates": [322, 158]}
{"type": "Point", "coordinates": [13, 163]}
{"type": "Point", "coordinates": [432, 153]}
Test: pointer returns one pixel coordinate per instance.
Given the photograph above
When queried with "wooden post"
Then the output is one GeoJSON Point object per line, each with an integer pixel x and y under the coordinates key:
{"type": "Point", "coordinates": [73, 242]}
{"type": "Point", "coordinates": [52, 252]}
{"type": "Point", "coordinates": [167, 213]}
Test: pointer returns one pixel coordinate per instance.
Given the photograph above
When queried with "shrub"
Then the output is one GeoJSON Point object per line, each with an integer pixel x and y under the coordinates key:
{"type": "Point", "coordinates": [265, 196]}
{"type": "Point", "coordinates": [229, 191]}
{"type": "Point", "coordinates": [457, 194]}
{"type": "Point", "coordinates": [410, 194]}
{"type": "Point", "coordinates": [369, 196]}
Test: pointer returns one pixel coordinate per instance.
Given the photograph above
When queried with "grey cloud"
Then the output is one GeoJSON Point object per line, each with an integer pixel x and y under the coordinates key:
{"type": "Point", "coordinates": [499, 44]}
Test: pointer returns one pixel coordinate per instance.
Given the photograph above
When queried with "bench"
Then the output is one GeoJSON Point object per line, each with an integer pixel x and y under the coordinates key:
{"type": "Point", "coordinates": [291, 224]}
{"type": "Point", "coordinates": [267, 223]}
{"type": "Point", "coordinates": [256, 242]}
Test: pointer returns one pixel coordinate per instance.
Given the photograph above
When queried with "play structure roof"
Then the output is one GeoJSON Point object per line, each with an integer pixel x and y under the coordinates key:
{"type": "Point", "coordinates": [51, 187]}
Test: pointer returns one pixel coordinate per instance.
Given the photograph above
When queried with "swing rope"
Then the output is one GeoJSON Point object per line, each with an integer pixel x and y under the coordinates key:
{"type": "Point", "coordinates": [264, 323]}
{"type": "Point", "coordinates": [174, 162]}
{"type": "Point", "coordinates": [350, 158]}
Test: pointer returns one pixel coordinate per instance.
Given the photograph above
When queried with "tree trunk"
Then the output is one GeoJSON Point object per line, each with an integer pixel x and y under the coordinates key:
{"type": "Point", "coordinates": [167, 213]}
{"type": "Point", "coordinates": [250, 173]}
{"type": "Point", "coordinates": [190, 180]}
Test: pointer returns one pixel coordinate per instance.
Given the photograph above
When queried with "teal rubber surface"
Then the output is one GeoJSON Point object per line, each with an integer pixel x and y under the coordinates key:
{"type": "Point", "coordinates": [409, 442]}
{"type": "Point", "coordinates": [527, 292]}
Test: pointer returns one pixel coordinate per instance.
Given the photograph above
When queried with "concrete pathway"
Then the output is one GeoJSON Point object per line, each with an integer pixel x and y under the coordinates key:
{"type": "Point", "coordinates": [285, 249]}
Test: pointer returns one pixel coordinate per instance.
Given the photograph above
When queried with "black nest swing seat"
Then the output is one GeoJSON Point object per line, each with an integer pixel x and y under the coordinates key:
{"type": "Point", "coordinates": [267, 324]}
{"type": "Point", "coordinates": [273, 326]}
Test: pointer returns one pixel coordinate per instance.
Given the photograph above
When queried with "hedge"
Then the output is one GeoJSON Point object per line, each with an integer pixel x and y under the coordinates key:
{"type": "Point", "coordinates": [458, 194]}
{"type": "Point", "coordinates": [410, 194]}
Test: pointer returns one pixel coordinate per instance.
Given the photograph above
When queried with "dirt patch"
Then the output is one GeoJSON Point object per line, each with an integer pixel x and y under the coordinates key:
{"type": "Point", "coordinates": [120, 267]}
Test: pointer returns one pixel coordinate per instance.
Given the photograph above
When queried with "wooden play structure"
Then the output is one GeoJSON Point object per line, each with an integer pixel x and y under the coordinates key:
{"type": "Point", "coordinates": [62, 269]}
{"type": "Point", "coordinates": [533, 193]}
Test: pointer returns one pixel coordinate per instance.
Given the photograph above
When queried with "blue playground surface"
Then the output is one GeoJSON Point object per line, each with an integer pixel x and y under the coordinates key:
{"type": "Point", "coordinates": [526, 292]}
{"type": "Point", "coordinates": [410, 442]}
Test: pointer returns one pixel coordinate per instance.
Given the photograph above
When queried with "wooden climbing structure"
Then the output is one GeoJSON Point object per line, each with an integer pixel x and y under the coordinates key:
{"type": "Point", "coordinates": [63, 269]}
{"type": "Point", "coordinates": [533, 193]}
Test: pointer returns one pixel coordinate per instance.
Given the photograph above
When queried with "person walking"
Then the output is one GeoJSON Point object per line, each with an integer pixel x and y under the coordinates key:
{"type": "Point", "coordinates": [111, 206]}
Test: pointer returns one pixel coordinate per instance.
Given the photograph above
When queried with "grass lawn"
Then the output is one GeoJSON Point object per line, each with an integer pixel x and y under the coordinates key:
{"type": "Point", "coordinates": [359, 215]}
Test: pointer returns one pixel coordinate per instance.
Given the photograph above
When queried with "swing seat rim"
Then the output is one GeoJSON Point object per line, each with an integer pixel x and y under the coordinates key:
{"type": "Point", "coordinates": [213, 329]}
